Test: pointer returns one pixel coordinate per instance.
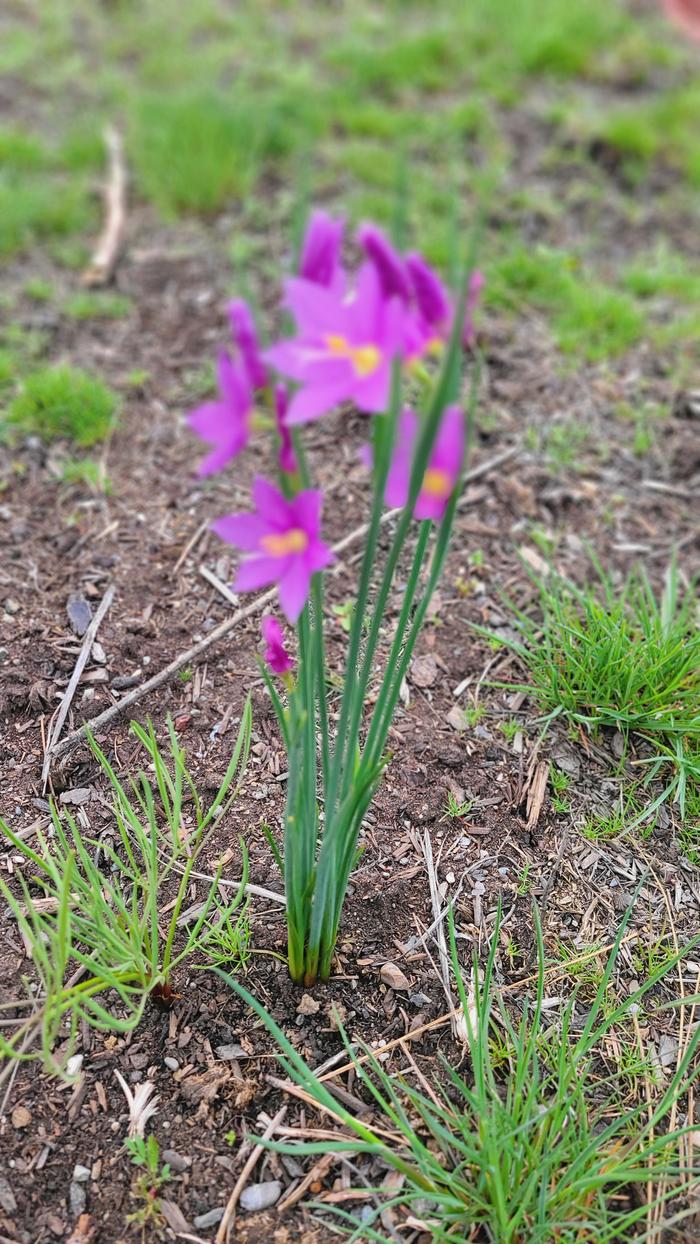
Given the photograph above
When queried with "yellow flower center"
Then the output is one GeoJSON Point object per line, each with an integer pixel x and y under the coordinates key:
{"type": "Point", "coordinates": [365, 359]}
{"type": "Point", "coordinates": [293, 541]}
{"type": "Point", "coordinates": [437, 483]}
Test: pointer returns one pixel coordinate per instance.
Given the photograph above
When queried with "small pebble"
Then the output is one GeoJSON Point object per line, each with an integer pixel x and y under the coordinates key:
{"type": "Point", "coordinates": [7, 1197]}
{"type": "Point", "coordinates": [228, 1052]}
{"type": "Point", "coordinates": [260, 1196]}
{"type": "Point", "coordinates": [12, 606]}
{"type": "Point", "coordinates": [176, 1161]}
{"type": "Point", "coordinates": [21, 1117]}
{"type": "Point", "coordinates": [79, 613]}
{"type": "Point", "coordinates": [210, 1219]}
{"type": "Point", "coordinates": [171, 1063]}
{"type": "Point", "coordinates": [77, 1199]}
{"type": "Point", "coordinates": [81, 1174]}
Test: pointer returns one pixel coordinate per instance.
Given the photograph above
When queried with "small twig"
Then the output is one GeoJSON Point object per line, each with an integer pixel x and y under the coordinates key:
{"type": "Point", "coordinates": [106, 252]}
{"type": "Point", "coordinates": [219, 632]}
{"type": "Point", "coordinates": [222, 588]}
{"type": "Point", "coordinates": [90, 634]}
{"type": "Point", "coordinates": [230, 1211]}
{"type": "Point", "coordinates": [444, 960]}
{"type": "Point", "coordinates": [319, 1170]}
{"type": "Point", "coordinates": [294, 1090]}
{"type": "Point", "coordinates": [193, 540]}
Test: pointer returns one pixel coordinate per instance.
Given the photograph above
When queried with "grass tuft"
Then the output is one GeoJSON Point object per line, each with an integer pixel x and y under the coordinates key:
{"type": "Point", "coordinates": [535, 1141]}
{"type": "Point", "coordinates": [63, 402]}
{"type": "Point", "coordinates": [194, 151]}
{"type": "Point", "coordinates": [626, 660]}
{"type": "Point", "coordinates": [101, 905]}
{"type": "Point", "coordinates": [588, 318]}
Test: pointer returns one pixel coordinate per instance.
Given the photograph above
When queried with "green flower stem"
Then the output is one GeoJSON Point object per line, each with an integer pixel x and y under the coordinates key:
{"type": "Point", "coordinates": [354, 688]}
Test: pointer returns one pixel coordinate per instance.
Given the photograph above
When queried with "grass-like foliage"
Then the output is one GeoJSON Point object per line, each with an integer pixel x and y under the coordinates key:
{"type": "Point", "coordinates": [192, 151]}
{"type": "Point", "coordinates": [622, 658]}
{"type": "Point", "coordinates": [93, 912]}
{"type": "Point", "coordinates": [63, 402]}
{"type": "Point", "coordinates": [588, 318]}
{"type": "Point", "coordinates": [532, 1141]}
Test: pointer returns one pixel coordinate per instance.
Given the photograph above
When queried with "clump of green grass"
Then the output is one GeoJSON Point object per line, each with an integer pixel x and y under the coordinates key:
{"type": "Point", "coordinates": [90, 305]}
{"type": "Point", "coordinates": [86, 472]}
{"type": "Point", "coordinates": [196, 150]}
{"type": "Point", "coordinates": [106, 914]}
{"type": "Point", "coordinates": [34, 208]}
{"type": "Point", "coordinates": [38, 289]}
{"type": "Point", "coordinates": [21, 150]}
{"type": "Point", "coordinates": [664, 129]}
{"type": "Point", "coordinates": [588, 318]}
{"type": "Point", "coordinates": [534, 1142]}
{"type": "Point", "coordinates": [663, 272]}
{"type": "Point", "coordinates": [622, 659]}
{"type": "Point", "coordinates": [63, 402]}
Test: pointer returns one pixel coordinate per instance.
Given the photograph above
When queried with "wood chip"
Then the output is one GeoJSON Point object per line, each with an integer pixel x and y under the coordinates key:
{"type": "Point", "coordinates": [394, 978]}
{"type": "Point", "coordinates": [424, 671]}
{"type": "Point", "coordinates": [84, 1231]}
{"type": "Point", "coordinates": [308, 1005]}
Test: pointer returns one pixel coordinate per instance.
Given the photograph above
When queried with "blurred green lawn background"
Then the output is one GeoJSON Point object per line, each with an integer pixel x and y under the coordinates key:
{"type": "Point", "coordinates": [574, 123]}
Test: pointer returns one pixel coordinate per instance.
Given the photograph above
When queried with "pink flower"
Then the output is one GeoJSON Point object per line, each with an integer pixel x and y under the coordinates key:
{"type": "Point", "coordinates": [225, 424]}
{"type": "Point", "coordinates": [444, 464]}
{"type": "Point", "coordinates": [283, 539]}
{"type": "Point", "coordinates": [246, 339]}
{"type": "Point", "coordinates": [320, 256]}
{"type": "Point", "coordinates": [686, 14]}
{"type": "Point", "coordinates": [276, 655]}
{"type": "Point", "coordinates": [287, 458]}
{"type": "Point", "coordinates": [435, 307]}
{"type": "Point", "coordinates": [344, 346]}
{"type": "Point", "coordinates": [390, 266]}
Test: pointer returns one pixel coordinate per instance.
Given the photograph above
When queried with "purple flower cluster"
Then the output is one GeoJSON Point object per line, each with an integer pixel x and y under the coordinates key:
{"type": "Point", "coordinates": [347, 337]}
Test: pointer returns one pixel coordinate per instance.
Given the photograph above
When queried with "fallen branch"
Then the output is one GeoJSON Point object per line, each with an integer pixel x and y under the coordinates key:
{"type": "Point", "coordinates": [70, 690]}
{"type": "Point", "coordinates": [106, 253]}
{"type": "Point", "coordinates": [224, 628]}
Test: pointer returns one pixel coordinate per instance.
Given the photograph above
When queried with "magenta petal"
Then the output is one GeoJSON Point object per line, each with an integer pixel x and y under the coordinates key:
{"type": "Point", "coordinates": [321, 250]}
{"type": "Point", "coordinates": [448, 450]}
{"type": "Point", "coordinates": [257, 572]}
{"type": "Point", "coordinates": [399, 478]}
{"type": "Point", "coordinates": [210, 421]}
{"type": "Point", "coordinates": [366, 456]}
{"type": "Point", "coordinates": [306, 510]}
{"type": "Point", "coordinates": [244, 531]}
{"type": "Point", "coordinates": [312, 402]}
{"type": "Point", "coordinates": [389, 264]}
{"type": "Point", "coordinates": [430, 293]}
{"type": "Point", "coordinates": [271, 630]}
{"type": "Point", "coordinates": [289, 358]}
{"type": "Point", "coordinates": [246, 338]}
{"type": "Point", "coordinates": [313, 307]}
{"type": "Point", "coordinates": [233, 385]}
{"type": "Point", "coordinates": [219, 458]}
{"type": "Point", "coordinates": [271, 504]}
{"type": "Point", "coordinates": [319, 556]}
{"type": "Point", "coordinates": [294, 589]}
{"type": "Point", "coordinates": [372, 394]}
{"type": "Point", "coordinates": [430, 507]}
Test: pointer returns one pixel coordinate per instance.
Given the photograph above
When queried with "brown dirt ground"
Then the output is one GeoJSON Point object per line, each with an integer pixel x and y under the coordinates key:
{"type": "Point", "coordinates": [55, 540]}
